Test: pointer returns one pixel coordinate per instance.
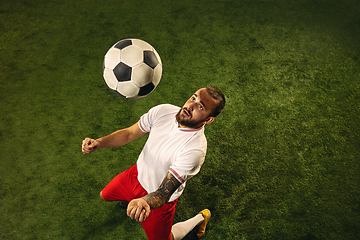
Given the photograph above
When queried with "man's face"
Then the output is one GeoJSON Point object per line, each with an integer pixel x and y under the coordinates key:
{"type": "Point", "coordinates": [197, 109]}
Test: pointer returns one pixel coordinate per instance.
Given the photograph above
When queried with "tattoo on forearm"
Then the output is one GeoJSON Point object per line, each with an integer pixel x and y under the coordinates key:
{"type": "Point", "coordinates": [162, 195]}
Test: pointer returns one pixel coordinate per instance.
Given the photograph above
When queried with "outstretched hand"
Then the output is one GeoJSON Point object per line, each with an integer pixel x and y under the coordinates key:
{"type": "Point", "coordinates": [138, 209]}
{"type": "Point", "coordinates": [89, 145]}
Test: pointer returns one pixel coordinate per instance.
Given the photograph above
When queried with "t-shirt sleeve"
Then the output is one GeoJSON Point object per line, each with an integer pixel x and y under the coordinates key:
{"type": "Point", "coordinates": [188, 165]}
{"type": "Point", "coordinates": [146, 120]}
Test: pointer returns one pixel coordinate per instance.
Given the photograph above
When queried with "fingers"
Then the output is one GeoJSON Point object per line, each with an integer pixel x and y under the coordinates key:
{"type": "Point", "coordinates": [144, 214]}
{"type": "Point", "coordinates": [138, 214]}
{"type": "Point", "coordinates": [147, 211]}
{"type": "Point", "coordinates": [138, 210]}
{"type": "Point", "coordinates": [88, 145]}
{"type": "Point", "coordinates": [84, 146]}
{"type": "Point", "coordinates": [135, 212]}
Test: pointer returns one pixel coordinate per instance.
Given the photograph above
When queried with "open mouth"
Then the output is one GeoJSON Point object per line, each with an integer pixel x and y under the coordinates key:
{"type": "Point", "coordinates": [186, 113]}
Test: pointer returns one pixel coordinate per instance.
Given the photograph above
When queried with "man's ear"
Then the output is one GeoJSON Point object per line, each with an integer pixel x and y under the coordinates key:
{"type": "Point", "coordinates": [208, 120]}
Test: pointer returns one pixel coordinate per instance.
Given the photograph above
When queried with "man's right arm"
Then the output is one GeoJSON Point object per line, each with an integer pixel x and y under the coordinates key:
{"type": "Point", "coordinates": [115, 139]}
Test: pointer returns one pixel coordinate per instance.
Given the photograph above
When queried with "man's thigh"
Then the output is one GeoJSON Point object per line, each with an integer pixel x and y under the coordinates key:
{"type": "Point", "coordinates": [124, 187]}
{"type": "Point", "coordinates": [158, 225]}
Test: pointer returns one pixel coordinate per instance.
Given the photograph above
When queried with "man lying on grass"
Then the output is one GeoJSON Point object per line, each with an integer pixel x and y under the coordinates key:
{"type": "Point", "coordinates": [174, 152]}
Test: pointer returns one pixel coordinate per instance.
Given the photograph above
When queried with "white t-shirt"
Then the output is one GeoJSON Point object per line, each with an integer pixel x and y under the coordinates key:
{"type": "Point", "coordinates": [169, 148]}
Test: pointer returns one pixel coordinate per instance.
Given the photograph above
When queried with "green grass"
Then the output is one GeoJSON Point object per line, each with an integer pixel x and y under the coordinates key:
{"type": "Point", "coordinates": [283, 157]}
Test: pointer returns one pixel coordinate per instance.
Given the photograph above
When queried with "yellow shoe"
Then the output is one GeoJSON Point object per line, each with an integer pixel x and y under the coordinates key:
{"type": "Point", "coordinates": [206, 214]}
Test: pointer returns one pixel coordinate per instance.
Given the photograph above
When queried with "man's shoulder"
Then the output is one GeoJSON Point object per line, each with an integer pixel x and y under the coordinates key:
{"type": "Point", "coordinates": [168, 107]}
{"type": "Point", "coordinates": [162, 111]}
{"type": "Point", "coordinates": [165, 109]}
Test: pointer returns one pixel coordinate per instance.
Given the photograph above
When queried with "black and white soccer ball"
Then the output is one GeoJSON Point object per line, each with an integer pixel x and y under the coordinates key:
{"type": "Point", "coordinates": [132, 68]}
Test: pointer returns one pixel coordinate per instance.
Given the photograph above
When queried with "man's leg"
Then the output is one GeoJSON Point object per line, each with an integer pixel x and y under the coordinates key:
{"type": "Point", "coordinates": [181, 229]}
{"type": "Point", "coordinates": [158, 225]}
{"type": "Point", "coordinates": [123, 187]}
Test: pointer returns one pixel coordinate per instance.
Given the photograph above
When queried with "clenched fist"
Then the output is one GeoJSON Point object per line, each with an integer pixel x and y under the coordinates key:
{"type": "Point", "coordinates": [89, 145]}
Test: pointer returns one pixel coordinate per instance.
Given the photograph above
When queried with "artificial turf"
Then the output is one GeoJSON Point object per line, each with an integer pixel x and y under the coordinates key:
{"type": "Point", "coordinates": [283, 157]}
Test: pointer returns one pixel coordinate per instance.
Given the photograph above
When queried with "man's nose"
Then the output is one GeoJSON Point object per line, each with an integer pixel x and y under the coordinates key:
{"type": "Point", "coordinates": [192, 106]}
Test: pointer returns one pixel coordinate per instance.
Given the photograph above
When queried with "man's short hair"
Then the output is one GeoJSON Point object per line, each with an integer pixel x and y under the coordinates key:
{"type": "Point", "coordinates": [218, 95]}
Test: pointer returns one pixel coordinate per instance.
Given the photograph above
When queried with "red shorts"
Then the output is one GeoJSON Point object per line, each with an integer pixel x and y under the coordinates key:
{"type": "Point", "coordinates": [125, 187]}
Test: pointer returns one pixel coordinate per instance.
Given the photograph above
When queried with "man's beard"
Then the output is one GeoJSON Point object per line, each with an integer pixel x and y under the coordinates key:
{"type": "Point", "coordinates": [186, 122]}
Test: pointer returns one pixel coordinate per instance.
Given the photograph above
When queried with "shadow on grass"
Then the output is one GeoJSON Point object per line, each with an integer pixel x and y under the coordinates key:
{"type": "Point", "coordinates": [192, 235]}
{"type": "Point", "coordinates": [116, 217]}
{"type": "Point", "coordinates": [309, 237]}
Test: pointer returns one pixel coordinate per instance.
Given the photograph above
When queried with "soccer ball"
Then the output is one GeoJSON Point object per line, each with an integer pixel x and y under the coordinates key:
{"type": "Point", "coordinates": [132, 68]}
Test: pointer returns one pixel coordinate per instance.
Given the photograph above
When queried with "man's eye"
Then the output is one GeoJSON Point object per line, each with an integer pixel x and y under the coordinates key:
{"type": "Point", "coordinates": [201, 107]}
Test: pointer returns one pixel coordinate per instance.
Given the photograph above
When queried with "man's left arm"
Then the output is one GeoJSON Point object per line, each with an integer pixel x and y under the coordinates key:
{"type": "Point", "coordinates": [139, 209]}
